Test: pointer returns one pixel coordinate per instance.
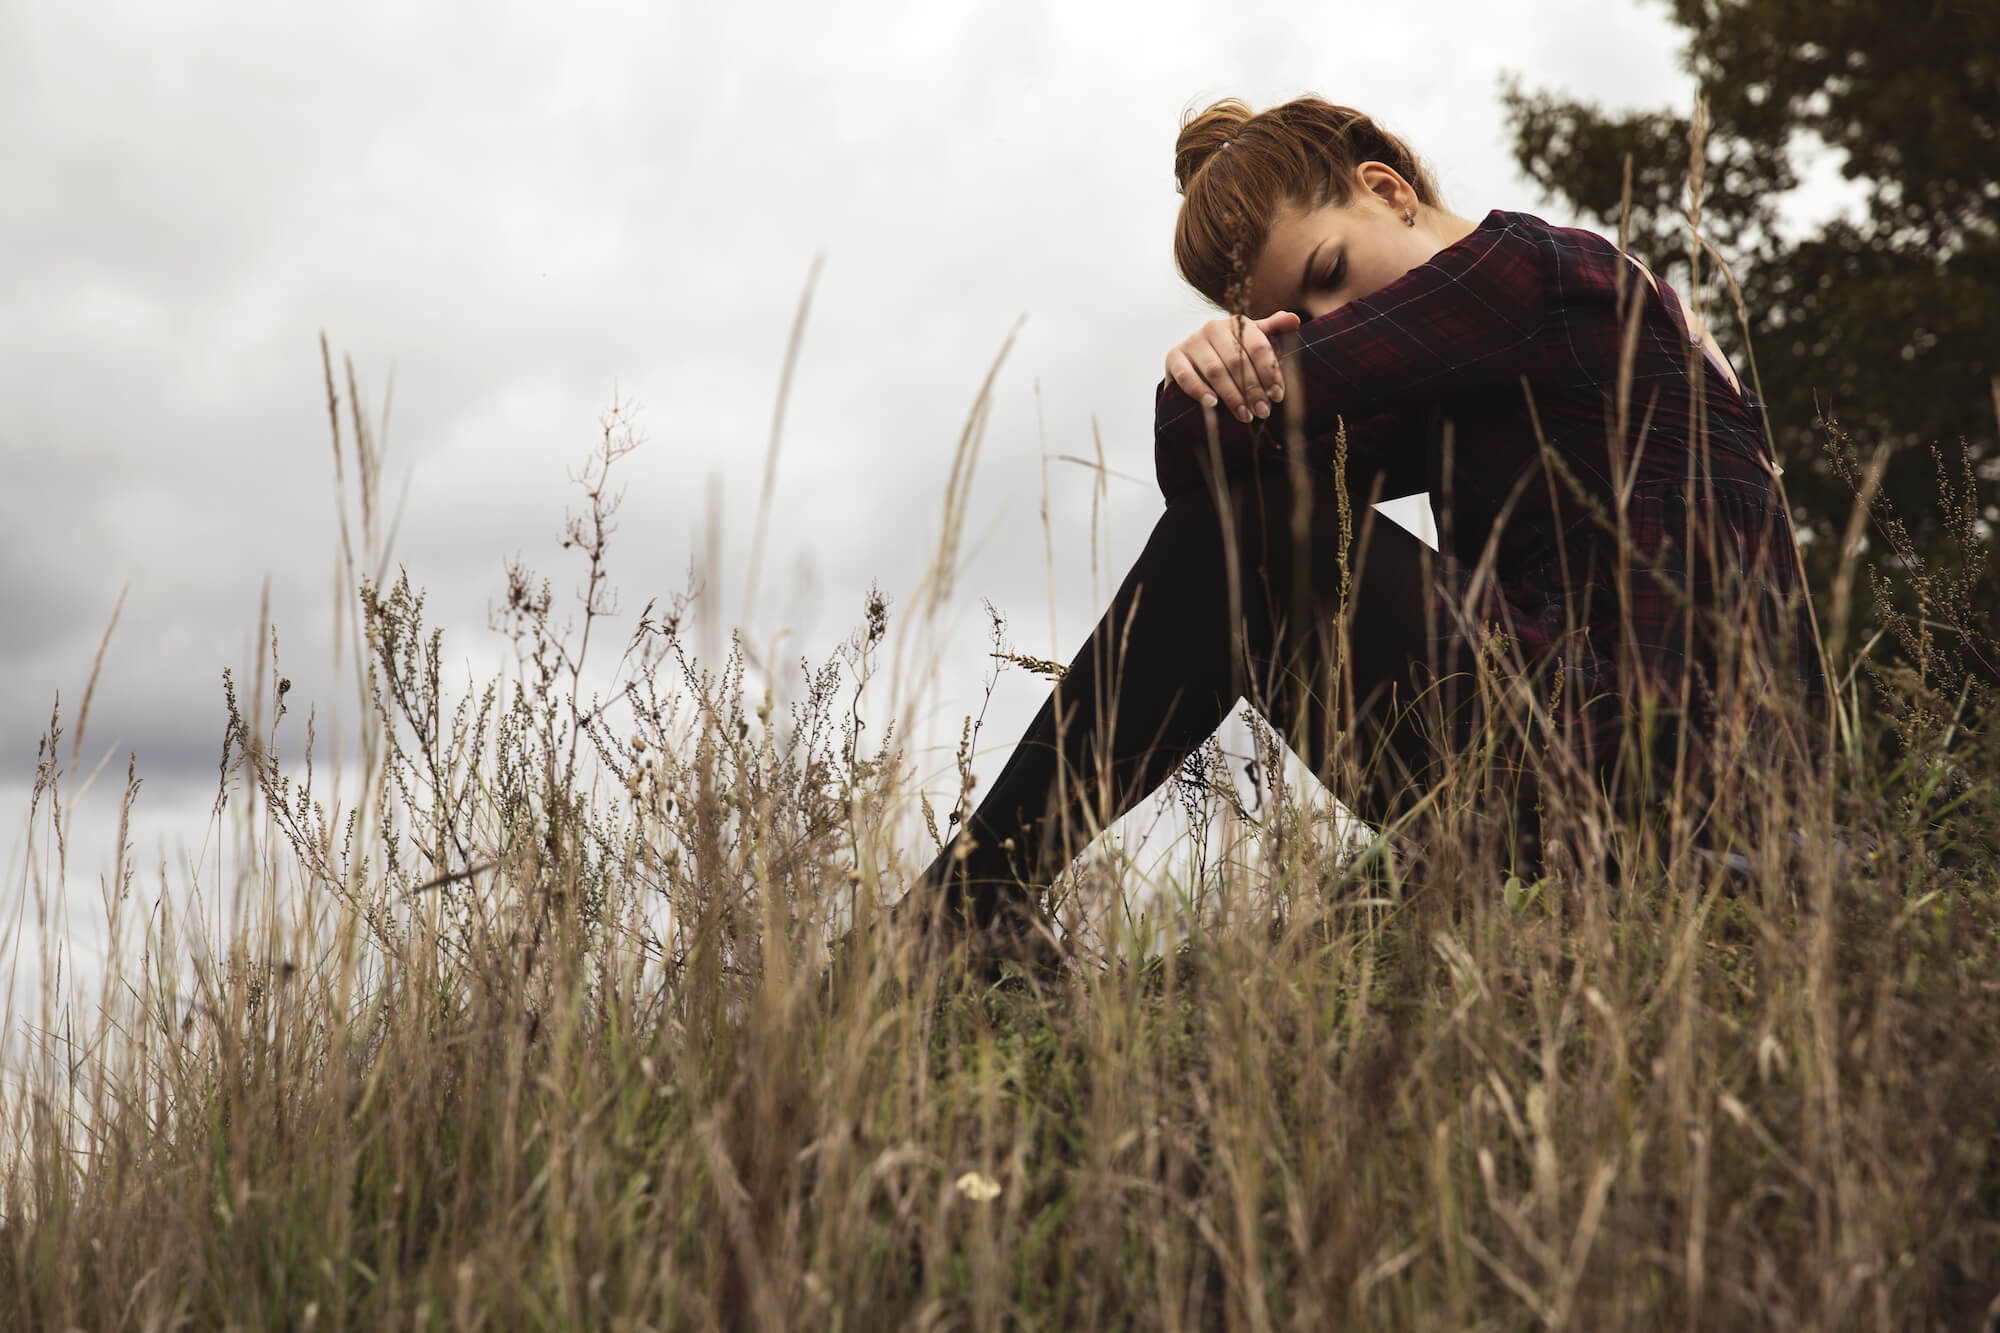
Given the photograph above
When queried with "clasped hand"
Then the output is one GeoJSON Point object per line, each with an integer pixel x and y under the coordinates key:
{"type": "Point", "coordinates": [1231, 360]}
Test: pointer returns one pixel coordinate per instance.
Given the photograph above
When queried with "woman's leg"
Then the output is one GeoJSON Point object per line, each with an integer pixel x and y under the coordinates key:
{"type": "Point", "coordinates": [1225, 601]}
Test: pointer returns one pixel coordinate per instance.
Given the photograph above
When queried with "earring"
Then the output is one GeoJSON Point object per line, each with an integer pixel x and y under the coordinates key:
{"type": "Point", "coordinates": [1409, 218]}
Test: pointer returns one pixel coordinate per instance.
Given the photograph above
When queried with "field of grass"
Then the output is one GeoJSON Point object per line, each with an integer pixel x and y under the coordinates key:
{"type": "Point", "coordinates": [530, 1022]}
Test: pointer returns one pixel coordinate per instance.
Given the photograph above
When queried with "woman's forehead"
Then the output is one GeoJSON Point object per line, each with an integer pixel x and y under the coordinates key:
{"type": "Point", "coordinates": [1295, 231]}
{"type": "Point", "coordinates": [1292, 236]}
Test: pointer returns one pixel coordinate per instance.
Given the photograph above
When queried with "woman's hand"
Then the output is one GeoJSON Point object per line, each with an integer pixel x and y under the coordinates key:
{"type": "Point", "coordinates": [1232, 359]}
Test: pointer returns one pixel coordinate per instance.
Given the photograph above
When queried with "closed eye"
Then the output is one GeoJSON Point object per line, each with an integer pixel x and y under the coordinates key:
{"type": "Point", "coordinates": [1331, 278]}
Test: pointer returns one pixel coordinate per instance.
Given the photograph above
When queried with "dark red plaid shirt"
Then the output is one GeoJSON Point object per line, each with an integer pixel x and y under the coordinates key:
{"type": "Point", "coordinates": [1491, 377]}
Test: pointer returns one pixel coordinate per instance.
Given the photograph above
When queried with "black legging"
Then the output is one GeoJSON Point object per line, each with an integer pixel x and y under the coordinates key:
{"type": "Point", "coordinates": [1190, 649]}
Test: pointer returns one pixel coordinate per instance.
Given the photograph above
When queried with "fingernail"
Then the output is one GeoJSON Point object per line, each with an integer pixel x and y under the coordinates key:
{"type": "Point", "coordinates": [1208, 400]}
{"type": "Point", "coordinates": [1277, 393]}
{"type": "Point", "coordinates": [1243, 415]}
{"type": "Point", "coordinates": [1263, 409]}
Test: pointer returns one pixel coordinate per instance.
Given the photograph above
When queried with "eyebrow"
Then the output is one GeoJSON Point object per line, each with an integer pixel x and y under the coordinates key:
{"type": "Point", "coordinates": [1305, 274]}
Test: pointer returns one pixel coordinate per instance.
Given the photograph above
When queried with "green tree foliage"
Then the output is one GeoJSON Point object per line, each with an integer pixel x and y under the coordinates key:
{"type": "Point", "coordinates": [1889, 322]}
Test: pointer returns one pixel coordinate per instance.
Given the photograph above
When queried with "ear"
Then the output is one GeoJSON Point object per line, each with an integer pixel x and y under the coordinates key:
{"type": "Point", "coordinates": [1387, 184]}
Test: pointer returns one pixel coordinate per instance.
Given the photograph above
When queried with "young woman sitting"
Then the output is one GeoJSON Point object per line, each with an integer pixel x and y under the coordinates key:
{"type": "Point", "coordinates": [1612, 541]}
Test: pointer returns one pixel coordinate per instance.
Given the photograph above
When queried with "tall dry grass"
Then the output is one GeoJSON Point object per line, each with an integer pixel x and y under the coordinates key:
{"type": "Point", "coordinates": [527, 1020]}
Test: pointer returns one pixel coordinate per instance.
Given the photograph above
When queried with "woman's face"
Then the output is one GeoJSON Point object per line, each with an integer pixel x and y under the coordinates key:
{"type": "Point", "coordinates": [1316, 261]}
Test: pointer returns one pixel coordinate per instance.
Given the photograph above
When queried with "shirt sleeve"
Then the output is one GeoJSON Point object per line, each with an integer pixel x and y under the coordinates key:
{"type": "Point", "coordinates": [1466, 319]}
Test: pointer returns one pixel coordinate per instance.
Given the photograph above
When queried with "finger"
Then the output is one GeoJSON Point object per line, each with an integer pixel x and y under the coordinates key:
{"type": "Point", "coordinates": [1252, 367]}
{"type": "Point", "coordinates": [1182, 372]}
{"type": "Point", "coordinates": [1264, 365]}
{"type": "Point", "coordinates": [1232, 340]}
{"type": "Point", "coordinates": [1275, 327]}
{"type": "Point", "coordinates": [1215, 368]}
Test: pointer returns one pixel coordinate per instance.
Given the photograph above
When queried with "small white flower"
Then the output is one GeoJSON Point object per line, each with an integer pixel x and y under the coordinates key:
{"type": "Point", "coordinates": [978, 1187]}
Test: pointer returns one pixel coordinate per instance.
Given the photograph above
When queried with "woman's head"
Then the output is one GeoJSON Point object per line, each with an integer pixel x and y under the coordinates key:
{"type": "Point", "coordinates": [1264, 193]}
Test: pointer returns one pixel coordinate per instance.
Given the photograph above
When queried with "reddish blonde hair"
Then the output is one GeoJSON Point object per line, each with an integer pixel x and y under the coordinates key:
{"type": "Point", "coordinates": [1303, 154]}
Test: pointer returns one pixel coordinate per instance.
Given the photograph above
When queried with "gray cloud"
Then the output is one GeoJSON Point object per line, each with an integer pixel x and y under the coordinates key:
{"type": "Point", "coordinates": [516, 213]}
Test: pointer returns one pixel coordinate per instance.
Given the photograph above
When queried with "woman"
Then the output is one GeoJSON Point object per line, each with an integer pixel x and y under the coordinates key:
{"type": "Point", "coordinates": [1613, 544]}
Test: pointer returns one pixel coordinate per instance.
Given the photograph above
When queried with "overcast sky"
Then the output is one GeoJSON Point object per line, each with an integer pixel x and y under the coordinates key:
{"type": "Point", "coordinates": [516, 213]}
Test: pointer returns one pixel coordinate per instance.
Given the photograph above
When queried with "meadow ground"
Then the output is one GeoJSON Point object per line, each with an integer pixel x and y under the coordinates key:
{"type": "Point", "coordinates": [528, 1019]}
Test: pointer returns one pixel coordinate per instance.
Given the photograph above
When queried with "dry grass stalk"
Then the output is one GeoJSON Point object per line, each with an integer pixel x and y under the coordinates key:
{"type": "Point", "coordinates": [537, 1032]}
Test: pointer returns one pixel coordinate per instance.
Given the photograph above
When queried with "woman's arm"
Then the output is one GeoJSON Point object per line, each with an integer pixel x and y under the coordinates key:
{"type": "Point", "coordinates": [1467, 319]}
{"type": "Point", "coordinates": [1392, 443]}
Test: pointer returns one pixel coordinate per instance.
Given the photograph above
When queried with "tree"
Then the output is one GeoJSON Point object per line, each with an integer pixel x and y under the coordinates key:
{"type": "Point", "coordinates": [1888, 324]}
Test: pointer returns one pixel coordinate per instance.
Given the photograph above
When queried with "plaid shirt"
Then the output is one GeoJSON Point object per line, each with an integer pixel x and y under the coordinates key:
{"type": "Point", "coordinates": [1491, 377]}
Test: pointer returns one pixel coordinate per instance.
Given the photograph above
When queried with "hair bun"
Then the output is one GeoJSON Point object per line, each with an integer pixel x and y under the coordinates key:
{"type": "Point", "coordinates": [1203, 134]}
